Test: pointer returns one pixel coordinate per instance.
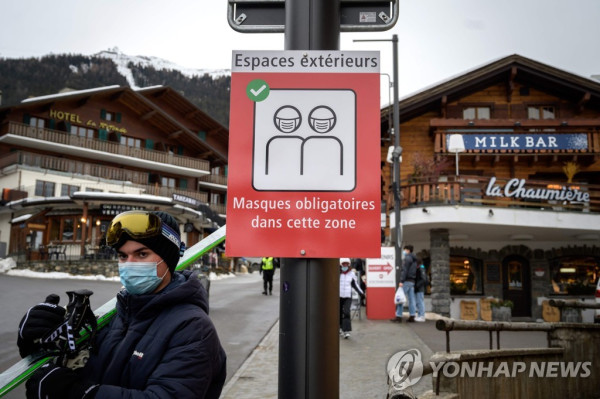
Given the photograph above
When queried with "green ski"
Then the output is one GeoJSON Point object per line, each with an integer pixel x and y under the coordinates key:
{"type": "Point", "coordinates": [22, 370]}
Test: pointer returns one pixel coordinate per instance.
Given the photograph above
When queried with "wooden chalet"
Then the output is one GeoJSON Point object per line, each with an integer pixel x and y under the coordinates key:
{"type": "Point", "coordinates": [71, 161]}
{"type": "Point", "coordinates": [500, 185]}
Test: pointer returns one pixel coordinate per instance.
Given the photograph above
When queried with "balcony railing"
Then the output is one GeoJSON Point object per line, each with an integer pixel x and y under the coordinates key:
{"type": "Point", "coordinates": [214, 179]}
{"type": "Point", "coordinates": [512, 193]}
{"type": "Point", "coordinates": [64, 138]}
{"type": "Point", "coordinates": [221, 209]}
{"type": "Point", "coordinates": [132, 181]}
{"type": "Point", "coordinates": [74, 167]}
{"type": "Point", "coordinates": [169, 191]}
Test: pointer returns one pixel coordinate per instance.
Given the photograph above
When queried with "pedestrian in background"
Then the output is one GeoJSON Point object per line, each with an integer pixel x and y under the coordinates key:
{"type": "Point", "coordinates": [348, 282]}
{"type": "Point", "coordinates": [421, 284]}
{"type": "Point", "coordinates": [358, 266]}
{"type": "Point", "coordinates": [408, 277]}
{"type": "Point", "coordinates": [399, 300]}
{"type": "Point", "coordinates": [267, 268]}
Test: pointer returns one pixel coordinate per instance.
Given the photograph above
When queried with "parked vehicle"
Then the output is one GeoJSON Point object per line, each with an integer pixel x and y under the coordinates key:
{"type": "Point", "coordinates": [252, 263]}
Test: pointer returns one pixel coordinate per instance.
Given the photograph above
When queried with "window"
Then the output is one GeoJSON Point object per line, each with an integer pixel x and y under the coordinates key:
{"type": "Point", "coordinates": [93, 190]}
{"type": "Point", "coordinates": [82, 132]}
{"type": "Point", "coordinates": [44, 188]}
{"type": "Point", "coordinates": [66, 228]}
{"type": "Point", "coordinates": [575, 275]}
{"type": "Point", "coordinates": [167, 182]}
{"type": "Point", "coordinates": [476, 113]}
{"type": "Point", "coordinates": [68, 189]}
{"type": "Point", "coordinates": [541, 112]}
{"type": "Point", "coordinates": [107, 116]}
{"type": "Point", "coordinates": [110, 116]}
{"type": "Point", "coordinates": [215, 198]}
{"type": "Point", "coordinates": [465, 275]}
{"type": "Point", "coordinates": [131, 141]}
{"type": "Point", "coordinates": [54, 230]}
{"type": "Point", "coordinates": [37, 122]}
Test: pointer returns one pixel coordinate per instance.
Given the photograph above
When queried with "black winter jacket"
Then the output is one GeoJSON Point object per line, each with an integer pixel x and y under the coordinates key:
{"type": "Point", "coordinates": [160, 345]}
{"type": "Point", "coordinates": [409, 268]}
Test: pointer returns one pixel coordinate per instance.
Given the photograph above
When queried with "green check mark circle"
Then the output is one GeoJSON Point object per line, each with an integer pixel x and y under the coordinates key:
{"type": "Point", "coordinates": [257, 90]}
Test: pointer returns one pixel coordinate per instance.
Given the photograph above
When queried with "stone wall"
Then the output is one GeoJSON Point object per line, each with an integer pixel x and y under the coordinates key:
{"type": "Point", "coordinates": [440, 271]}
{"type": "Point", "coordinates": [565, 370]}
{"type": "Point", "coordinates": [107, 268]}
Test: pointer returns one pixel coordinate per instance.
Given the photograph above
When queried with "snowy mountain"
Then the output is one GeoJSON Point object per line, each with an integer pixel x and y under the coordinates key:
{"type": "Point", "coordinates": [22, 78]}
{"type": "Point", "coordinates": [122, 61]}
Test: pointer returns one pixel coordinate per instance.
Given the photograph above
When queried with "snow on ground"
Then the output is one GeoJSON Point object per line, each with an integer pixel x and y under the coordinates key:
{"type": "Point", "coordinates": [9, 265]}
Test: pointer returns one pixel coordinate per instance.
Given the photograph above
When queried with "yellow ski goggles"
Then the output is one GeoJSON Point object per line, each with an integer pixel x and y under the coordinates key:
{"type": "Point", "coordinates": [137, 224]}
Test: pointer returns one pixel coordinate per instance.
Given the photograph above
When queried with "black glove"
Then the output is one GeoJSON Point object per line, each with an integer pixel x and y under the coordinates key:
{"type": "Point", "coordinates": [53, 382]}
{"type": "Point", "coordinates": [38, 322]}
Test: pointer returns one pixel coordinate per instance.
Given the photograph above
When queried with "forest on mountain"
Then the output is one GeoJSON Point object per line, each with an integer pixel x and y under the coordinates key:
{"type": "Point", "coordinates": [21, 78]}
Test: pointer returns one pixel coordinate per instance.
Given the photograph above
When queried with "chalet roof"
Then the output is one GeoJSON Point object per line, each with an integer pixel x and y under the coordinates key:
{"type": "Point", "coordinates": [188, 110]}
{"type": "Point", "coordinates": [149, 110]}
{"type": "Point", "coordinates": [69, 93]}
{"type": "Point", "coordinates": [510, 69]}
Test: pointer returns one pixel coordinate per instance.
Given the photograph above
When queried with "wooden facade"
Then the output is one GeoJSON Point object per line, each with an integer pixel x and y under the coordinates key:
{"type": "Point", "coordinates": [512, 114]}
{"type": "Point", "coordinates": [71, 160]}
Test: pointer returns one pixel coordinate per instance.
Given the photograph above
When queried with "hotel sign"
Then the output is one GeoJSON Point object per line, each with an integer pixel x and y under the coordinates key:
{"type": "Point", "coordinates": [556, 141]}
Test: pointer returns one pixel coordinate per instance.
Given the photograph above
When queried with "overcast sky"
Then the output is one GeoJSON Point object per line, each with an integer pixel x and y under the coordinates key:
{"type": "Point", "coordinates": [438, 39]}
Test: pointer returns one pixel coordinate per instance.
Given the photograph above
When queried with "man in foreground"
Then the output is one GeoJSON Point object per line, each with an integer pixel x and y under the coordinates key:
{"type": "Point", "coordinates": [161, 344]}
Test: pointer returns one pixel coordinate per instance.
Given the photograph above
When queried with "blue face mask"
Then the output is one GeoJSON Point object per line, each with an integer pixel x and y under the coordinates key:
{"type": "Point", "coordinates": [140, 277]}
{"type": "Point", "coordinates": [344, 268]}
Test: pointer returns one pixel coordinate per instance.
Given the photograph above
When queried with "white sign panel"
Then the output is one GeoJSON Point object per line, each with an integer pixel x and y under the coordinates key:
{"type": "Point", "coordinates": [380, 272]}
{"type": "Point", "coordinates": [305, 140]}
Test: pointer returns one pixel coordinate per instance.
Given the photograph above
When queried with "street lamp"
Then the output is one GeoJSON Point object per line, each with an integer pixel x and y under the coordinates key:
{"type": "Point", "coordinates": [395, 153]}
{"type": "Point", "coordinates": [456, 144]}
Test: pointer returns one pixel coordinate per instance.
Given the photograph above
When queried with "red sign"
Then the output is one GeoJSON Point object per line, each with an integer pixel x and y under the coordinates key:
{"type": "Point", "coordinates": [381, 268]}
{"type": "Point", "coordinates": [304, 155]}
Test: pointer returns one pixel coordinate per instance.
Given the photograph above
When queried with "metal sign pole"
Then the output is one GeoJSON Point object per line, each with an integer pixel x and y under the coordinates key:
{"type": "Point", "coordinates": [309, 307]}
{"type": "Point", "coordinates": [396, 158]}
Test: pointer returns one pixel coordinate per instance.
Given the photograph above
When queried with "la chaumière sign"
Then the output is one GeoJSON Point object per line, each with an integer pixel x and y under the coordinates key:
{"type": "Point", "coordinates": [517, 188]}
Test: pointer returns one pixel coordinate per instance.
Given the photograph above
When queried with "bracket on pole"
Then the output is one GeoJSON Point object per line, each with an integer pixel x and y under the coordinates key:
{"type": "Point", "coordinates": [268, 16]}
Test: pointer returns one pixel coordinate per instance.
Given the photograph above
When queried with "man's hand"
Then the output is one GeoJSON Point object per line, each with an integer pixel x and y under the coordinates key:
{"type": "Point", "coordinates": [53, 382]}
{"type": "Point", "coordinates": [38, 322]}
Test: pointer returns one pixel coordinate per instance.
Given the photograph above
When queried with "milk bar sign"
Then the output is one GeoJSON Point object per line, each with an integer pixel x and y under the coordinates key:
{"type": "Point", "coordinates": [574, 141]}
